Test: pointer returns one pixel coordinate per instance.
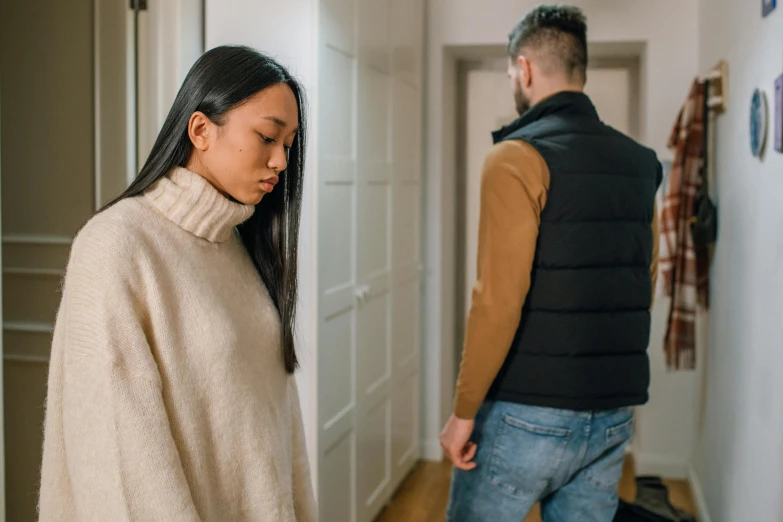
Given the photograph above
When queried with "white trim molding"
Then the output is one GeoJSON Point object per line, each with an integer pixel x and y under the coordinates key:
{"type": "Point", "coordinates": [24, 327]}
{"type": "Point", "coordinates": [431, 450]}
{"type": "Point", "coordinates": [36, 239]}
{"type": "Point", "coordinates": [32, 272]}
{"type": "Point", "coordinates": [25, 359]}
{"type": "Point", "coordinates": [697, 493]}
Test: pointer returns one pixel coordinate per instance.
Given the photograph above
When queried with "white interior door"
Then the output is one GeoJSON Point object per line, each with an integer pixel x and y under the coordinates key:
{"type": "Point", "coordinates": [373, 255]}
{"type": "Point", "coordinates": [368, 242]}
{"type": "Point", "coordinates": [407, 20]}
{"type": "Point", "coordinates": [337, 278]}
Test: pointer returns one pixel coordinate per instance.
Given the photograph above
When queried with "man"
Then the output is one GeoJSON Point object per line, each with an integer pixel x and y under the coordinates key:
{"type": "Point", "coordinates": [556, 342]}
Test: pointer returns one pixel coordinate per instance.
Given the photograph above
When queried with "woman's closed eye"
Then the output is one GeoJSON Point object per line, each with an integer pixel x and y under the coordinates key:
{"type": "Point", "coordinates": [272, 140]}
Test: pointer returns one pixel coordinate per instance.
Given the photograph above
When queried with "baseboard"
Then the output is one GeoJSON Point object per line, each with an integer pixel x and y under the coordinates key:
{"type": "Point", "coordinates": [660, 465]}
{"type": "Point", "coordinates": [697, 493]}
{"type": "Point", "coordinates": [431, 450]}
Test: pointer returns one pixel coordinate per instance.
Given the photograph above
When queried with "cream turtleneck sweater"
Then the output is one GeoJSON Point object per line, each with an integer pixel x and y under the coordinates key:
{"type": "Point", "coordinates": [168, 399]}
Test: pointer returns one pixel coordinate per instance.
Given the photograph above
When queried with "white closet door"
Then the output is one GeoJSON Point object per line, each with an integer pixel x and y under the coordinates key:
{"type": "Point", "coordinates": [407, 18]}
{"type": "Point", "coordinates": [369, 256]}
{"type": "Point", "coordinates": [373, 256]}
{"type": "Point", "coordinates": [337, 281]}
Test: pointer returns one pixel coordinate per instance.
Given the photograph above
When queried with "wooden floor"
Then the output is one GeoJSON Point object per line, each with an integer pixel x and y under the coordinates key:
{"type": "Point", "coordinates": [423, 495]}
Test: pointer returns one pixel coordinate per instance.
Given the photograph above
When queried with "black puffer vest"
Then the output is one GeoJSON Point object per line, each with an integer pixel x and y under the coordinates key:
{"type": "Point", "coordinates": [585, 328]}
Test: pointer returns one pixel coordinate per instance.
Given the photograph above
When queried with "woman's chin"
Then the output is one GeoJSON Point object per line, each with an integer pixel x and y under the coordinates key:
{"type": "Point", "coordinates": [256, 199]}
{"type": "Point", "coordinates": [249, 198]}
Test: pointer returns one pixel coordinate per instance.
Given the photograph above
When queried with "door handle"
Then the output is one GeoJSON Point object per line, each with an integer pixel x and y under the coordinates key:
{"type": "Point", "coordinates": [363, 292]}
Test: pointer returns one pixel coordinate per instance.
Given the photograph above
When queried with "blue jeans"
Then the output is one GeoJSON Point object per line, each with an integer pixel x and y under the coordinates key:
{"type": "Point", "coordinates": [571, 461]}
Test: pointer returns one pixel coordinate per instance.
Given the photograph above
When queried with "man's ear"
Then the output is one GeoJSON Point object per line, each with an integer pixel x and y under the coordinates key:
{"type": "Point", "coordinates": [525, 70]}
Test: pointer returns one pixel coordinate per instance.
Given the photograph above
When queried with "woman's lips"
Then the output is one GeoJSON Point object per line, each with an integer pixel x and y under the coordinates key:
{"type": "Point", "coordinates": [268, 185]}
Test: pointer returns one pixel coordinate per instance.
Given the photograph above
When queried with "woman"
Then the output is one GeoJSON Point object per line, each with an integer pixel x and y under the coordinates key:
{"type": "Point", "coordinates": [171, 390]}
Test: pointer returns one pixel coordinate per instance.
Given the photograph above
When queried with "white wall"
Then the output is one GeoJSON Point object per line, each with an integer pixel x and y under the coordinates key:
{"type": "Point", "coordinates": [739, 460]}
{"type": "Point", "coordinates": [667, 31]}
{"type": "Point", "coordinates": [288, 31]}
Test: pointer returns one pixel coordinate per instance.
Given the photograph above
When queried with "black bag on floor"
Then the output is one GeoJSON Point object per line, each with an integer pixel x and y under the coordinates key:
{"type": "Point", "coordinates": [651, 505]}
{"type": "Point", "coordinates": [633, 513]}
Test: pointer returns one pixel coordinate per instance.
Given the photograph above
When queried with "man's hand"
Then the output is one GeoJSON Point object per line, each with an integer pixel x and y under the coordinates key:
{"type": "Point", "coordinates": [455, 440]}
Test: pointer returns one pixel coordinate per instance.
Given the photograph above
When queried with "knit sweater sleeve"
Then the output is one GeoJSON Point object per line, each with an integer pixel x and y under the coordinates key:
{"type": "Point", "coordinates": [120, 455]}
{"type": "Point", "coordinates": [304, 499]}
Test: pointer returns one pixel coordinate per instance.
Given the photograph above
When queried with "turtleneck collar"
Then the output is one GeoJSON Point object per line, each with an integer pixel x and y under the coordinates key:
{"type": "Point", "coordinates": [194, 204]}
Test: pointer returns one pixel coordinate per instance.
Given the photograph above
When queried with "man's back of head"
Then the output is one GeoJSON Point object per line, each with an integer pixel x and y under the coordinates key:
{"type": "Point", "coordinates": [547, 52]}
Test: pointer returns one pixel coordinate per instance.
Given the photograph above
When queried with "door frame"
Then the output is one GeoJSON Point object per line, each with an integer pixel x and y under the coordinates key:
{"type": "Point", "coordinates": [114, 104]}
{"type": "Point", "coordinates": [2, 353]}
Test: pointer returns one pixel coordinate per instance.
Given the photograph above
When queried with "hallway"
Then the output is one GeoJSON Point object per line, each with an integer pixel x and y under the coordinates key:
{"type": "Point", "coordinates": [401, 98]}
{"type": "Point", "coordinates": [424, 494]}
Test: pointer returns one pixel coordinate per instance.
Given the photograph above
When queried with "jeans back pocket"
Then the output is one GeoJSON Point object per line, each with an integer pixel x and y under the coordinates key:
{"type": "Point", "coordinates": [606, 471]}
{"type": "Point", "coordinates": [526, 456]}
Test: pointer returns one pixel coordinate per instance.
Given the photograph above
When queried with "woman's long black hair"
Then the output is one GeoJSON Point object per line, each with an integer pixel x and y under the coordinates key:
{"type": "Point", "coordinates": [220, 80]}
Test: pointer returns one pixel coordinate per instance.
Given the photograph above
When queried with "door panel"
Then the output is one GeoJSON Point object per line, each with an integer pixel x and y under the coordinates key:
{"type": "Point", "coordinates": [405, 400]}
{"type": "Point", "coordinates": [337, 415]}
{"type": "Point", "coordinates": [337, 24]}
{"type": "Point", "coordinates": [373, 339]}
{"type": "Point", "coordinates": [406, 223]}
{"type": "Point", "coordinates": [406, 235]}
{"type": "Point", "coordinates": [337, 479]}
{"type": "Point", "coordinates": [337, 260]}
{"type": "Point", "coordinates": [336, 352]}
{"type": "Point", "coordinates": [374, 34]}
{"type": "Point", "coordinates": [406, 304]}
{"type": "Point", "coordinates": [374, 225]}
{"type": "Point", "coordinates": [373, 268]}
{"type": "Point", "coordinates": [373, 466]}
{"type": "Point", "coordinates": [406, 134]}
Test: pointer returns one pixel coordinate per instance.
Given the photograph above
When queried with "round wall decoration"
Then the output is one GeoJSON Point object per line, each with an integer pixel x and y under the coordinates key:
{"type": "Point", "coordinates": [758, 122]}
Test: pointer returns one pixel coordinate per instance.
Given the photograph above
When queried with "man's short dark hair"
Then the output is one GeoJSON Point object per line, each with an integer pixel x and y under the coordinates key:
{"type": "Point", "coordinates": [559, 30]}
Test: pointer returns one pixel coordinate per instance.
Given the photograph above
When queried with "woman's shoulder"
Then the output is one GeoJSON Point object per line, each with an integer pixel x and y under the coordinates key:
{"type": "Point", "coordinates": [112, 237]}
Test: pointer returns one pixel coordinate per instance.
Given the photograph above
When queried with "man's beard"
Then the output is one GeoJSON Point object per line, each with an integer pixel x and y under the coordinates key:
{"type": "Point", "coordinates": [522, 102]}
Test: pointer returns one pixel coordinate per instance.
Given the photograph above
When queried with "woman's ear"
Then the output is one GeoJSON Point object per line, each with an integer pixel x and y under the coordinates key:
{"type": "Point", "coordinates": [200, 130]}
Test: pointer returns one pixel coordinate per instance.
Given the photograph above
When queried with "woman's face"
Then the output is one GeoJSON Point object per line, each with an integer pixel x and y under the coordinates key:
{"type": "Point", "coordinates": [244, 157]}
